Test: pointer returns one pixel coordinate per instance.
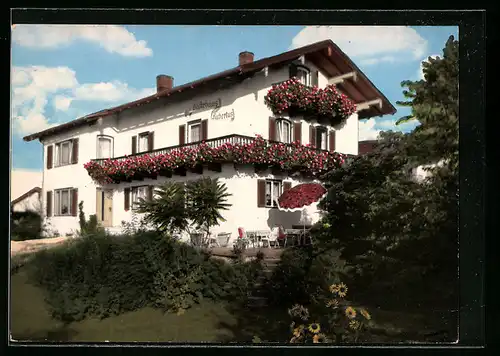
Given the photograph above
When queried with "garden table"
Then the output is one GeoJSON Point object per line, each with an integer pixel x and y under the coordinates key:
{"type": "Point", "coordinates": [295, 234]}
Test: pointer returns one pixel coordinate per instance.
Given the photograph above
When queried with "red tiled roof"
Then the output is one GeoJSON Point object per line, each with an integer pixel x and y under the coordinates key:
{"type": "Point", "coordinates": [326, 52]}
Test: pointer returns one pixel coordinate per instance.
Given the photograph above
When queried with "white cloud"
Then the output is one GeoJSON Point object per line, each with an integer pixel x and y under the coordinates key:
{"type": "Point", "coordinates": [367, 130]}
{"type": "Point", "coordinates": [421, 68]}
{"type": "Point", "coordinates": [62, 102]}
{"type": "Point", "coordinates": [372, 61]}
{"type": "Point", "coordinates": [370, 129]}
{"type": "Point", "coordinates": [367, 43]}
{"type": "Point", "coordinates": [110, 91]}
{"type": "Point", "coordinates": [113, 38]}
{"type": "Point", "coordinates": [32, 86]}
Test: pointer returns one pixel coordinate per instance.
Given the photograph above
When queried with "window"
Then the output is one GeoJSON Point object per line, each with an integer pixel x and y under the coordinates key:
{"type": "Point", "coordinates": [274, 189]}
{"type": "Point", "coordinates": [139, 193]}
{"type": "Point", "coordinates": [104, 147]}
{"type": "Point", "coordinates": [194, 132]}
{"type": "Point", "coordinates": [62, 202]}
{"type": "Point", "coordinates": [303, 75]}
{"type": "Point", "coordinates": [284, 130]}
{"type": "Point", "coordinates": [321, 138]}
{"type": "Point", "coordinates": [143, 142]}
{"type": "Point", "coordinates": [63, 152]}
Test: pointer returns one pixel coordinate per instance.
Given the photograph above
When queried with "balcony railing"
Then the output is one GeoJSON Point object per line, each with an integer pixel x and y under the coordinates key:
{"type": "Point", "coordinates": [233, 139]}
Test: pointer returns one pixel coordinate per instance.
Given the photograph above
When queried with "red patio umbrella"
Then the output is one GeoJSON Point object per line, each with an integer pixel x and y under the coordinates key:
{"type": "Point", "coordinates": [301, 196]}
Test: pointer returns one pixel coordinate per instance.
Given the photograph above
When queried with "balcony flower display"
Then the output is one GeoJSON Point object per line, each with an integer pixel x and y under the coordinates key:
{"type": "Point", "coordinates": [293, 157]}
{"type": "Point", "coordinates": [295, 98]}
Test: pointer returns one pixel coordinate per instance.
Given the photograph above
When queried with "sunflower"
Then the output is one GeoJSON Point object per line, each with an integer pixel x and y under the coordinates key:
{"type": "Point", "coordinates": [342, 290]}
{"type": "Point", "coordinates": [299, 311]}
{"type": "Point", "coordinates": [350, 312]}
{"type": "Point", "coordinates": [332, 303]}
{"type": "Point", "coordinates": [314, 328]}
{"type": "Point", "coordinates": [319, 338]}
{"type": "Point", "coordinates": [354, 324]}
{"type": "Point", "coordinates": [297, 331]}
{"type": "Point", "coordinates": [334, 288]}
{"type": "Point", "coordinates": [365, 313]}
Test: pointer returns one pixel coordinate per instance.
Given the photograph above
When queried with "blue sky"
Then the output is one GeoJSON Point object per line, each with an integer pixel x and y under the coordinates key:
{"type": "Point", "coordinates": [60, 73]}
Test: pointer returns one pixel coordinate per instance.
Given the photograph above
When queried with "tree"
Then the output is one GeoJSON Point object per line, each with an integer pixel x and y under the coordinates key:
{"type": "Point", "coordinates": [177, 207]}
{"type": "Point", "coordinates": [388, 225]}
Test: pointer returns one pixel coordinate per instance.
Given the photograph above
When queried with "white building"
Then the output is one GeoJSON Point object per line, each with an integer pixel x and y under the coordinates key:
{"type": "Point", "coordinates": [30, 200]}
{"type": "Point", "coordinates": [226, 107]}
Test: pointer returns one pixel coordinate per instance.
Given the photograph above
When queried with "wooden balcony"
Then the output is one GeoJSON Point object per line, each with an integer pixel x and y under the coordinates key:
{"type": "Point", "coordinates": [233, 139]}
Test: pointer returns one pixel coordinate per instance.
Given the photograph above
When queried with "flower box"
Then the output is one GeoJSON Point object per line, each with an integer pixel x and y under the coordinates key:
{"type": "Point", "coordinates": [214, 166]}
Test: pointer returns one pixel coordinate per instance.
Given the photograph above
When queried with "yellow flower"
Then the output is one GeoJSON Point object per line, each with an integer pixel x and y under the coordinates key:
{"type": "Point", "coordinates": [350, 312]}
{"type": "Point", "coordinates": [354, 324]}
{"type": "Point", "coordinates": [334, 288]}
{"type": "Point", "coordinates": [365, 313]}
{"type": "Point", "coordinates": [332, 303]}
{"type": "Point", "coordinates": [342, 290]}
{"type": "Point", "coordinates": [293, 339]}
{"type": "Point", "coordinates": [297, 332]}
{"type": "Point", "coordinates": [314, 328]}
{"type": "Point", "coordinates": [319, 338]}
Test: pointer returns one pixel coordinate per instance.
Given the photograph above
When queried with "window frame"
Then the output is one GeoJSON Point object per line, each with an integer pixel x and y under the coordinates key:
{"type": "Point", "coordinates": [56, 209]}
{"type": "Point", "coordinates": [140, 136]}
{"type": "Point", "coordinates": [112, 146]}
{"type": "Point", "coordinates": [188, 133]}
{"type": "Point", "coordinates": [319, 130]}
{"type": "Point", "coordinates": [133, 194]}
{"type": "Point", "coordinates": [272, 182]}
{"type": "Point", "coordinates": [307, 74]}
{"type": "Point", "coordinates": [279, 129]}
{"type": "Point", "coordinates": [58, 153]}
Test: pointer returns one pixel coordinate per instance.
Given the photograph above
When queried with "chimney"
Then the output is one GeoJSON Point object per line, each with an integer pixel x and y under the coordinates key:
{"type": "Point", "coordinates": [245, 58]}
{"type": "Point", "coordinates": [164, 82]}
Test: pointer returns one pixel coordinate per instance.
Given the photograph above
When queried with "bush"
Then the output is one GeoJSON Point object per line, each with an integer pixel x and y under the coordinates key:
{"type": "Point", "coordinates": [25, 225]}
{"type": "Point", "coordinates": [106, 275]}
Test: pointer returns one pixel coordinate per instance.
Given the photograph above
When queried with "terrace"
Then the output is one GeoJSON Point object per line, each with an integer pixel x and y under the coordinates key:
{"type": "Point", "coordinates": [293, 158]}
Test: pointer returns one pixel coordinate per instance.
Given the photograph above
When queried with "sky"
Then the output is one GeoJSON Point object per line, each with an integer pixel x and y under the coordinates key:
{"type": "Point", "coordinates": [62, 72]}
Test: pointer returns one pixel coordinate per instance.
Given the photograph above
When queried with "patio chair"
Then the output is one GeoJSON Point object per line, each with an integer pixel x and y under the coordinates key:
{"type": "Point", "coordinates": [223, 239]}
{"type": "Point", "coordinates": [270, 237]}
{"type": "Point", "coordinates": [196, 239]}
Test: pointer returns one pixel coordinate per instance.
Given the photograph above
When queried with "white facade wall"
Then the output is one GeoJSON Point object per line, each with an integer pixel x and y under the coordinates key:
{"type": "Point", "coordinates": [251, 117]}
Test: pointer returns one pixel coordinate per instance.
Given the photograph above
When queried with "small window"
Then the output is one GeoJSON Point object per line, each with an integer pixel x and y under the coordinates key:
{"type": "Point", "coordinates": [139, 193]}
{"type": "Point", "coordinates": [284, 130]}
{"type": "Point", "coordinates": [194, 132]}
{"type": "Point", "coordinates": [321, 138]}
{"type": "Point", "coordinates": [62, 202]}
{"type": "Point", "coordinates": [63, 152]}
{"type": "Point", "coordinates": [104, 147]}
{"type": "Point", "coordinates": [274, 188]}
{"type": "Point", "coordinates": [304, 75]}
{"type": "Point", "coordinates": [143, 142]}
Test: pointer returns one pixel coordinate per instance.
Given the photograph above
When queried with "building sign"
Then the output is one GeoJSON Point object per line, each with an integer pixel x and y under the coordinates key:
{"type": "Point", "coordinates": [203, 105]}
{"type": "Point", "coordinates": [216, 115]}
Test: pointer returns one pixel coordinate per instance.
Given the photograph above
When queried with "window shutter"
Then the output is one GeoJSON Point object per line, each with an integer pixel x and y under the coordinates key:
{"type": "Point", "coordinates": [312, 135]}
{"type": "Point", "coordinates": [286, 186]}
{"type": "Point", "coordinates": [204, 130]}
{"type": "Point", "coordinates": [261, 193]}
{"type": "Point", "coordinates": [74, 202]}
{"type": "Point", "coordinates": [74, 153]}
{"type": "Point", "coordinates": [297, 132]}
{"type": "Point", "coordinates": [332, 140]}
{"type": "Point", "coordinates": [127, 198]}
{"type": "Point", "coordinates": [315, 78]}
{"type": "Point", "coordinates": [182, 134]}
{"type": "Point", "coordinates": [151, 141]}
{"type": "Point", "coordinates": [49, 203]}
{"type": "Point", "coordinates": [150, 192]}
{"type": "Point", "coordinates": [50, 156]}
{"type": "Point", "coordinates": [272, 129]}
{"type": "Point", "coordinates": [134, 145]}
{"type": "Point", "coordinates": [292, 69]}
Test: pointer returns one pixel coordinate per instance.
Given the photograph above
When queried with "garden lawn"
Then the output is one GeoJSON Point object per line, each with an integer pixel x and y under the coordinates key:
{"type": "Point", "coordinates": [30, 321]}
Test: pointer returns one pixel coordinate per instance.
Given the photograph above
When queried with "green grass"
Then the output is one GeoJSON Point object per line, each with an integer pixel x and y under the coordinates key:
{"type": "Point", "coordinates": [207, 322]}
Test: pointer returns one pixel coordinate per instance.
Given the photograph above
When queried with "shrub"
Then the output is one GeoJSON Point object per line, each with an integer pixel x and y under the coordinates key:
{"type": "Point", "coordinates": [25, 225]}
{"type": "Point", "coordinates": [104, 275]}
{"type": "Point", "coordinates": [88, 227]}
